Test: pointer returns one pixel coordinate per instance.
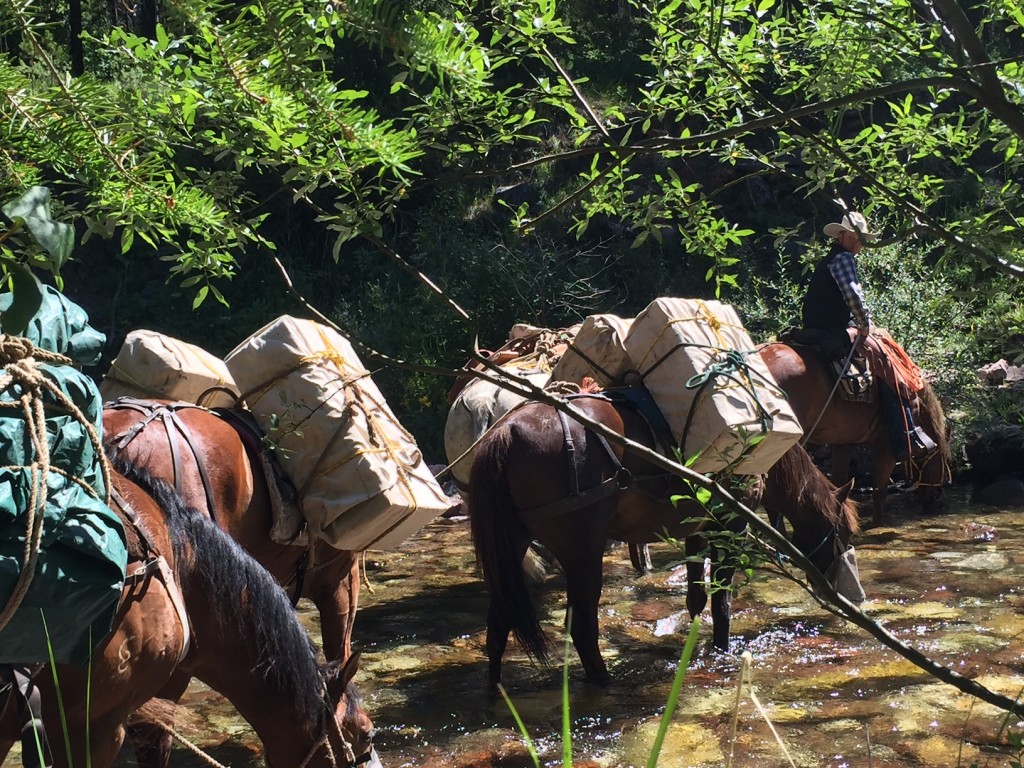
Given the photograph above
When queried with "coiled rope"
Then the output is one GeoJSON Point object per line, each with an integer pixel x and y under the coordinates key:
{"type": "Point", "coordinates": [24, 380]}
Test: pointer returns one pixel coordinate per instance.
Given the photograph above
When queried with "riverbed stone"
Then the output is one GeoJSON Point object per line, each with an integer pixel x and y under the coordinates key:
{"type": "Point", "coordinates": [1005, 493]}
{"type": "Point", "coordinates": [941, 750]}
{"type": "Point", "coordinates": [699, 745]}
{"type": "Point", "coordinates": [925, 609]}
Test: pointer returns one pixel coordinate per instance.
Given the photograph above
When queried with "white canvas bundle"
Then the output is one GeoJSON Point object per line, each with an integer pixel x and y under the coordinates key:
{"type": "Point", "coordinates": [361, 479]}
{"type": "Point", "coordinates": [475, 410]}
{"type": "Point", "coordinates": [150, 365]}
{"type": "Point", "coordinates": [598, 351]}
{"type": "Point", "coordinates": [676, 341]}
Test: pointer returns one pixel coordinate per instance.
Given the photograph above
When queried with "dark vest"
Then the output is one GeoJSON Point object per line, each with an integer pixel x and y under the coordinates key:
{"type": "Point", "coordinates": [824, 306]}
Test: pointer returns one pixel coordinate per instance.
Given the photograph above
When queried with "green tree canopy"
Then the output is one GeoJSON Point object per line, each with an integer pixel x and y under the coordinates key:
{"type": "Point", "coordinates": [187, 141]}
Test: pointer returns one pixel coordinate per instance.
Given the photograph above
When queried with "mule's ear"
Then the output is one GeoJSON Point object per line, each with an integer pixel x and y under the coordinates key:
{"type": "Point", "coordinates": [843, 493]}
{"type": "Point", "coordinates": [340, 676]}
{"type": "Point", "coordinates": [348, 671]}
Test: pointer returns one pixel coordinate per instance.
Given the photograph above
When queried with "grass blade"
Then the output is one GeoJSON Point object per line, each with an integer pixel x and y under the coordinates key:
{"type": "Point", "coordinates": [519, 723]}
{"type": "Point", "coordinates": [566, 722]}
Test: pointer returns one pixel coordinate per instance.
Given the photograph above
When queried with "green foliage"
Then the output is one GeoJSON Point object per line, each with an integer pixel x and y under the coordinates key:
{"type": "Point", "coordinates": [48, 247]}
{"type": "Point", "coordinates": [304, 128]}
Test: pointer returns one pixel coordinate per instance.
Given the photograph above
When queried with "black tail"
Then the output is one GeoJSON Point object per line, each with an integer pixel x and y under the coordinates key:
{"type": "Point", "coordinates": [498, 538]}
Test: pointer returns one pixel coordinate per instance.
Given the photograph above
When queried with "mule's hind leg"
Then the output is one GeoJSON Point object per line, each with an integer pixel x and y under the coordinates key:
{"type": "Point", "coordinates": [583, 588]}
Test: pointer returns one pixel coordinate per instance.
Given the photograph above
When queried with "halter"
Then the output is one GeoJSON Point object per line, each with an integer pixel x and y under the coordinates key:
{"type": "Point", "coordinates": [946, 476]}
{"type": "Point", "coordinates": [351, 761]}
{"type": "Point", "coordinates": [831, 535]}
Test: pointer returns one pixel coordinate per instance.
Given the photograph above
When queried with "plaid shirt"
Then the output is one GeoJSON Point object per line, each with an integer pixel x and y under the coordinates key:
{"type": "Point", "coordinates": [844, 269]}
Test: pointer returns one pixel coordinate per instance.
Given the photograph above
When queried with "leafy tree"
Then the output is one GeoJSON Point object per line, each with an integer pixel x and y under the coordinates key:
{"type": "Point", "coordinates": [193, 137]}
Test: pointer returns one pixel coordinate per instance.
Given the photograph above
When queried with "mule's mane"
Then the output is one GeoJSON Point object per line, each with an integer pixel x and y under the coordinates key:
{"type": "Point", "coordinates": [814, 490]}
{"type": "Point", "coordinates": [245, 596]}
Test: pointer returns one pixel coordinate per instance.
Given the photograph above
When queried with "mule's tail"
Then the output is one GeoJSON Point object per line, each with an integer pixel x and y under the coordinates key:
{"type": "Point", "coordinates": [498, 538]}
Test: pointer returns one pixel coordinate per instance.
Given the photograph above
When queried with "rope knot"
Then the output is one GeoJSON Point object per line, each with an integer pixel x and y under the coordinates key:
{"type": "Point", "coordinates": [710, 318]}
{"type": "Point", "coordinates": [14, 348]}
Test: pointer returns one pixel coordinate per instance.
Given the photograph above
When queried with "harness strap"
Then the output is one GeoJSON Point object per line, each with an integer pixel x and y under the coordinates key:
{"type": "Point", "coordinates": [154, 561]}
{"type": "Point", "coordinates": [160, 566]}
{"type": "Point", "coordinates": [570, 449]}
{"type": "Point", "coordinates": [172, 423]}
{"type": "Point", "coordinates": [620, 480]}
{"type": "Point", "coordinates": [170, 417]}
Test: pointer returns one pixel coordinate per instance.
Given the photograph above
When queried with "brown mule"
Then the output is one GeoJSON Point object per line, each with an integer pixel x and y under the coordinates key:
{"type": "Point", "coordinates": [197, 605]}
{"type": "Point", "coordinates": [540, 475]}
{"type": "Point", "coordinates": [215, 464]}
{"type": "Point", "coordinates": [808, 381]}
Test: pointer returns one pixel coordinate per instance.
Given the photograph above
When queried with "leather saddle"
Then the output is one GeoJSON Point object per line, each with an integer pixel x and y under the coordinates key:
{"type": "Point", "coordinates": [856, 381]}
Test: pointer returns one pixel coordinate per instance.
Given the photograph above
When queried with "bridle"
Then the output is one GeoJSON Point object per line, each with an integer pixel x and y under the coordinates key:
{"type": "Point", "coordinates": [324, 742]}
{"type": "Point", "coordinates": [831, 537]}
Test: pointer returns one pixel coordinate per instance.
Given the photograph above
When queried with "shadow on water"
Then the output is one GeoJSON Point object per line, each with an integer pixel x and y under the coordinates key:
{"type": "Point", "coordinates": [950, 585]}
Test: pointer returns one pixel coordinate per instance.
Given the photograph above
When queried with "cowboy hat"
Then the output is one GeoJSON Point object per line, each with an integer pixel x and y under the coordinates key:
{"type": "Point", "coordinates": [852, 222]}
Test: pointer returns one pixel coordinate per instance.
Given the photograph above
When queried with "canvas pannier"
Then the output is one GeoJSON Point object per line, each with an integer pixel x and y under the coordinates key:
{"type": "Point", "coordinates": [152, 365]}
{"type": "Point", "coordinates": [699, 363]}
{"type": "Point", "coordinates": [361, 480]}
{"type": "Point", "coordinates": [598, 351]}
{"type": "Point", "coordinates": [66, 603]}
{"type": "Point", "coordinates": [475, 410]}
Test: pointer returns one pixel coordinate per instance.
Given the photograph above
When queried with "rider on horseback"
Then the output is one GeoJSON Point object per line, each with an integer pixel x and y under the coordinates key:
{"type": "Point", "coordinates": [833, 307]}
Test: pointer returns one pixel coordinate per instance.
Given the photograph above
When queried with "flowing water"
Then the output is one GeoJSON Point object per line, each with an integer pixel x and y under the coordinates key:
{"type": "Point", "coordinates": [825, 693]}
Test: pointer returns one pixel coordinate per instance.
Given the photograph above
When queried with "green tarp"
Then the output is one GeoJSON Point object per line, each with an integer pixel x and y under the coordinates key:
{"type": "Point", "coordinates": [81, 566]}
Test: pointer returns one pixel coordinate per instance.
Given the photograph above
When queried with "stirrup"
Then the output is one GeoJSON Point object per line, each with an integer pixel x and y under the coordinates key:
{"type": "Point", "coordinates": [922, 446]}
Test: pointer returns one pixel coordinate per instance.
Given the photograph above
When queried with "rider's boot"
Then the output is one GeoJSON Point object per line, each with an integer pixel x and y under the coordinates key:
{"type": "Point", "coordinates": [905, 438]}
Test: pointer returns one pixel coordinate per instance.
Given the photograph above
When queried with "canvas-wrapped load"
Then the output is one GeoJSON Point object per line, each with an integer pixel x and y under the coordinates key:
{"type": "Point", "coordinates": [151, 365]}
{"type": "Point", "coordinates": [598, 351]}
{"type": "Point", "coordinates": [475, 410]}
{"type": "Point", "coordinates": [530, 353]}
{"type": "Point", "coordinates": [699, 363]}
{"type": "Point", "coordinates": [361, 480]}
{"type": "Point", "coordinates": [66, 602]}
{"type": "Point", "coordinates": [61, 326]}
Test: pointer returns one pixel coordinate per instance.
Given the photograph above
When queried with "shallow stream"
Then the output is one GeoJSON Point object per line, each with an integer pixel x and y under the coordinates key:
{"type": "Point", "coordinates": [951, 585]}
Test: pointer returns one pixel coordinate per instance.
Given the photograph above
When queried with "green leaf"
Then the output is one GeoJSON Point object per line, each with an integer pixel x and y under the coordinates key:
{"type": "Point", "coordinates": [26, 299]}
{"type": "Point", "coordinates": [33, 211]}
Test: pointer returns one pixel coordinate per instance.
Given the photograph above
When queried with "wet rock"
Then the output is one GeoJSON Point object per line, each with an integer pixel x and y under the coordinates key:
{"type": "Point", "coordinates": [491, 748]}
{"type": "Point", "coordinates": [985, 561]}
{"type": "Point", "coordinates": [996, 454]}
{"type": "Point", "coordinates": [994, 373]}
{"type": "Point", "coordinates": [917, 609]}
{"type": "Point", "coordinates": [937, 750]}
{"type": "Point", "coordinates": [699, 745]}
{"type": "Point", "coordinates": [1007, 492]}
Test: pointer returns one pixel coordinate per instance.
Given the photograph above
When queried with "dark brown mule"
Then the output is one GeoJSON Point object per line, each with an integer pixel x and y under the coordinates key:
{"type": "Point", "coordinates": [213, 461]}
{"type": "Point", "coordinates": [523, 488]}
{"type": "Point", "coordinates": [808, 380]}
{"type": "Point", "coordinates": [213, 613]}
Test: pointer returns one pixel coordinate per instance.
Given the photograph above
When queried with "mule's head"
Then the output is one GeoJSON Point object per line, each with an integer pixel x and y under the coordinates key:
{"type": "Point", "coordinates": [828, 543]}
{"type": "Point", "coordinates": [350, 731]}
